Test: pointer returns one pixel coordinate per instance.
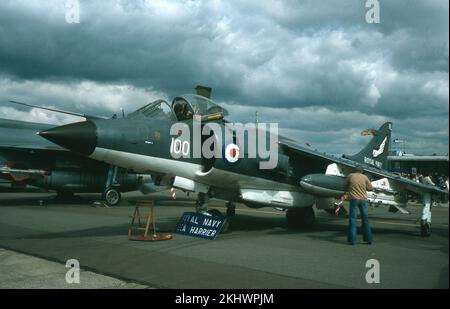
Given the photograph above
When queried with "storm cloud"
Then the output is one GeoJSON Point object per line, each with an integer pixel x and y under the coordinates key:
{"type": "Point", "coordinates": [316, 67]}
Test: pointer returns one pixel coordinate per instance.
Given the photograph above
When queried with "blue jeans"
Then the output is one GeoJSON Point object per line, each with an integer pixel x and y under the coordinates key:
{"type": "Point", "coordinates": [363, 210]}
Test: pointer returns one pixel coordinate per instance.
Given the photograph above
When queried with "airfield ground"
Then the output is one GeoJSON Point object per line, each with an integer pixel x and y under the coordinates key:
{"type": "Point", "coordinates": [37, 240]}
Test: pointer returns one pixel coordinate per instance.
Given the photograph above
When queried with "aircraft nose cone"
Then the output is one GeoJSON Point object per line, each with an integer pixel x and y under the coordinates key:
{"type": "Point", "coordinates": [79, 137]}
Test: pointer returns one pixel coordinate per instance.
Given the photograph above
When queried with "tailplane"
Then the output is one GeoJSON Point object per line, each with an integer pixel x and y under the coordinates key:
{"type": "Point", "coordinates": [376, 151]}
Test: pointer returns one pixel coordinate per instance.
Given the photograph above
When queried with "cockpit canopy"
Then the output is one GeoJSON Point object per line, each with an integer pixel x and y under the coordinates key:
{"type": "Point", "coordinates": [156, 109]}
{"type": "Point", "coordinates": [183, 108]}
{"type": "Point", "coordinates": [187, 105]}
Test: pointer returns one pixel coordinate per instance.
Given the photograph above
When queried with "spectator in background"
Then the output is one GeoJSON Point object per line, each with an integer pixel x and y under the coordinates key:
{"type": "Point", "coordinates": [420, 178]}
{"type": "Point", "coordinates": [428, 179]}
{"type": "Point", "coordinates": [425, 222]}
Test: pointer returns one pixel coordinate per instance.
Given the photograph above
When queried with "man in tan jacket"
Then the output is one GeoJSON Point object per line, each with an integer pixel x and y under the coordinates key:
{"type": "Point", "coordinates": [357, 185]}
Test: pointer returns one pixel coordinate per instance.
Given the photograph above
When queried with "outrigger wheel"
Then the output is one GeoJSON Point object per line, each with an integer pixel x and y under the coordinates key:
{"type": "Point", "coordinates": [112, 196]}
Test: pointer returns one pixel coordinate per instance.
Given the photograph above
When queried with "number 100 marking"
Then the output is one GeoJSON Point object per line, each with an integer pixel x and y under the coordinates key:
{"type": "Point", "coordinates": [178, 147]}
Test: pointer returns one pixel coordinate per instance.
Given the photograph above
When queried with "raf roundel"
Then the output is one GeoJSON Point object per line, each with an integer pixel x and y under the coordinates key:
{"type": "Point", "coordinates": [232, 153]}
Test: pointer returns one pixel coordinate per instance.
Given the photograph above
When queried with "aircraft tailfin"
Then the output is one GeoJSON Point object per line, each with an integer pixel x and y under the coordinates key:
{"type": "Point", "coordinates": [376, 151]}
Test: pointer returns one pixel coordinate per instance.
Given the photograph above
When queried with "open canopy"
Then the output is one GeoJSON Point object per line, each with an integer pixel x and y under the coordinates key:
{"type": "Point", "coordinates": [187, 105]}
{"type": "Point", "coordinates": [183, 108]}
{"type": "Point", "coordinates": [156, 109]}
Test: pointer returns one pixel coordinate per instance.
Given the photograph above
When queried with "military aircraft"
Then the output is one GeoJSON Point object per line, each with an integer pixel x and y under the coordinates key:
{"type": "Point", "coordinates": [162, 141]}
{"type": "Point", "coordinates": [28, 160]}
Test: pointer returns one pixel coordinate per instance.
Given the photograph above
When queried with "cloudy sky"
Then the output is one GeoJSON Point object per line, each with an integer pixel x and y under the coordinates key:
{"type": "Point", "coordinates": [316, 67]}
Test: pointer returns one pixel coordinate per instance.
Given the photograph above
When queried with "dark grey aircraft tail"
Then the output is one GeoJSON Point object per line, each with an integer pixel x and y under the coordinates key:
{"type": "Point", "coordinates": [376, 151]}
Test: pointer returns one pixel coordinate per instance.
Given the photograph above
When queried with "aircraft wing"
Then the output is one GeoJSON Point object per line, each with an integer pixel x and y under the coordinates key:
{"type": "Point", "coordinates": [297, 152]}
{"type": "Point", "coordinates": [30, 147]}
{"type": "Point", "coordinates": [22, 135]}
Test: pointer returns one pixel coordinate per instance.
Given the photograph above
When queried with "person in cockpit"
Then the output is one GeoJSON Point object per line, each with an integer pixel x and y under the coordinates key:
{"type": "Point", "coordinates": [183, 111]}
{"type": "Point", "coordinates": [179, 111]}
{"type": "Point", "coordinates": [188, 113]}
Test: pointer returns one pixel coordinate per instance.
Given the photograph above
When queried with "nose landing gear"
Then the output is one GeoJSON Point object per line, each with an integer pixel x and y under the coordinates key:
{"type": "Point", "coordinates": [112, 196]}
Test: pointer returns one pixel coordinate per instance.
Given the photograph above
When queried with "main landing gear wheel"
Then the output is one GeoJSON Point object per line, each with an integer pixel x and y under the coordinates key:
{"type": "Point", "coordinates": [217, 213]}
{"type": "Point", "coordinates": [112, 197]}
{"type": "Point", "coordinates": [300, 218]}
